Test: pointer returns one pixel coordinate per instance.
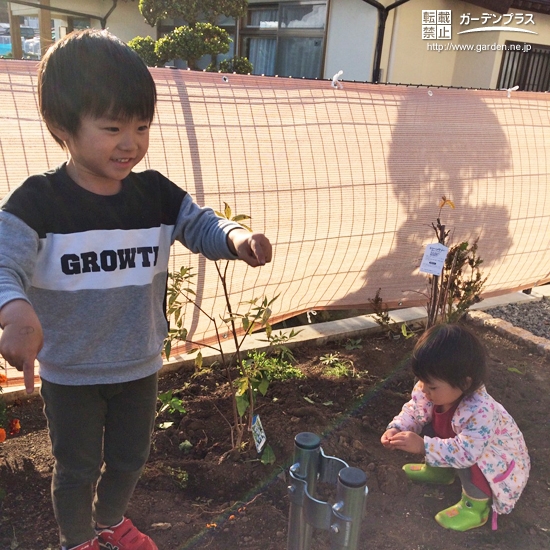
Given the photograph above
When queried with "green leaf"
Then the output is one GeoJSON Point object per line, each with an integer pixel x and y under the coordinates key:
{"type": "Point", "coordinates": [242, 386]}
{"type": "Point", "coordinates": [242, 404]}
{"type": "Point", "coordinates": [177, 405]}
{"type": "Point", "coordinates": [185, 446]}
{"type": "Point", "coordinates": [517, 371]}
{"type": "Point", "coordinates": [241, 217]}
{"type": "Point", "coordinates": [270, 302]}
{"type": "Point", "coordinates": [227, 211]}
{"type": "Point", "coordinates": [198, 361]}
{"type": "Point", "coordinates": [268, 456]}
{"type": "Point", "coordinates": [264, 384]}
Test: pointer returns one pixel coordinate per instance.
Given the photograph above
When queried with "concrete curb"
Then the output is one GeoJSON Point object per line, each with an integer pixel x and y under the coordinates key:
{"type": "Point", "coordinates": [319, 333]}
{"type": "Point", "coordinates": [362, 325]}
{"type": "Point", "coordinates": [536, 343]}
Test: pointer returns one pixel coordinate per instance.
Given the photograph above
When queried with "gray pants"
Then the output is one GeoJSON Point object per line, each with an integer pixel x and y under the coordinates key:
{"type": "Point", "coordinates": [100, 436]}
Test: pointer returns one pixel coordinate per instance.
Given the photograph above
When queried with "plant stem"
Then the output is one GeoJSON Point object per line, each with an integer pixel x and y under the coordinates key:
{"type": "Point", "coordinates": [239, 426]}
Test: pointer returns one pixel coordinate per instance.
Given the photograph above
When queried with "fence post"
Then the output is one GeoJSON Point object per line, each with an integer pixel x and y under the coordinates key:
{"type": "Point", "coordinates": [342, 519]}
{"type": "Point", "coordinates": [306, 461]}
{"type": "Point", "coordinates": [348, 511]}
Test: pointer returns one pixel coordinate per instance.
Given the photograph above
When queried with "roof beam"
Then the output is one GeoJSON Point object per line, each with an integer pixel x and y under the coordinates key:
{"type": "Point", "coordinates": [102, 20]}
{"type": "Point", "coordinates": [383, 12]}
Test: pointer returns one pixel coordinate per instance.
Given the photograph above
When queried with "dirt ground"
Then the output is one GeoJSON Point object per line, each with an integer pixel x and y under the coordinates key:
{"type": "Point", "coordinates": [244, 504]}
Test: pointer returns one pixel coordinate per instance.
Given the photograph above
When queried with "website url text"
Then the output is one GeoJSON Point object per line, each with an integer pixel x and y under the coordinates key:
{"type": "Point", "coordinates": [450, 47]}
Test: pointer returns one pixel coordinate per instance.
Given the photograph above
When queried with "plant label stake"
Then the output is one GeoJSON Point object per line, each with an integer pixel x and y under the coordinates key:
{"type": "Point", "coordinates": [434, 259]}
{"type": "Point", "coordinates": [343, 518]}
{"type": "Point", "coordinates": [258, 433]}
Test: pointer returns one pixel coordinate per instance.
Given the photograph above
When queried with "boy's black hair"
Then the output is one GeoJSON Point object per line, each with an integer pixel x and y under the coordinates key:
{"type": "Point", "coordinates": [450, 353]}
{"type": "Point", "coordinates": [93, 73]}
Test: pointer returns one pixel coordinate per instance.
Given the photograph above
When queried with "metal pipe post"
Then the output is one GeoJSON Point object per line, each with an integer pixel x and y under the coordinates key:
{"type": "Point", "coordinates": [349, 509]}
{"type": "Point", "coordinates": [304, 478]}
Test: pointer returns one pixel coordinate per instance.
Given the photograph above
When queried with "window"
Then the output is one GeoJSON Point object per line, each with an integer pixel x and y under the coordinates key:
{"type": "Point", "coordinates": [285, 39]}
{"type": "Point", "coordinates": [526, 66]}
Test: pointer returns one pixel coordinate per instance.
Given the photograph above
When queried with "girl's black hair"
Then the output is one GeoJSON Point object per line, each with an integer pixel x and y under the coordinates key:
{"type": "Point", "coordinates": [93, 73]}
{"type": "Point", "coordinates": [450, 353]}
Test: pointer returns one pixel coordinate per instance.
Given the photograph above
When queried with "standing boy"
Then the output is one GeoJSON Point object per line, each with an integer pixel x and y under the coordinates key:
{"type": "Point", "coordinates": [83, 263]}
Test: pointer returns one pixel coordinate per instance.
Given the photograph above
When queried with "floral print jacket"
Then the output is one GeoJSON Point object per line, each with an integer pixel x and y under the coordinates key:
{"type": "Point", "coordinates": [486, 435]}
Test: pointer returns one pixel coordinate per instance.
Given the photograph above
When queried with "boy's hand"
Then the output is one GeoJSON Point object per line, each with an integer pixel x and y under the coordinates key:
{"type": "Point", "coordinates": [21, 338]}
{"type": "Point", "coordinates": [252, 248]}
{"type": "Point", "coordinates": [408, 441]}
{"type": "Point", "coordinates": [386, 437]}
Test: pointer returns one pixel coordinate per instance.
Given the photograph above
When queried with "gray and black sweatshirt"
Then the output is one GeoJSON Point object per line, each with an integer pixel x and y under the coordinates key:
{"type": "Point", "coordinates": [94, 268]}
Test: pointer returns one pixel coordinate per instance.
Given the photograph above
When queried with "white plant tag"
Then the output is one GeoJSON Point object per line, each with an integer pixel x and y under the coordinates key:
{"type": "Point", "coordinates": [258, 433]}
{"type": "Point", "coordinates": [434, 259]}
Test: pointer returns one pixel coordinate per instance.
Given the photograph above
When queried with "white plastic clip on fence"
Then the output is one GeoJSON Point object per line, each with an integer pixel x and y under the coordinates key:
{"type": "Point", "coordinates": [336, 80]}
{"type": "Point", "coordinates": [309, 313]}
{"type": "Point", "coordinates": [510, 90]}
{"type": "Point", "coordinates": [342, 519]}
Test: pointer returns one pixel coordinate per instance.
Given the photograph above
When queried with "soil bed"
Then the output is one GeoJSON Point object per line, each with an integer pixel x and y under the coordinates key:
{"type": "Point", "coordinates": [189, 498]}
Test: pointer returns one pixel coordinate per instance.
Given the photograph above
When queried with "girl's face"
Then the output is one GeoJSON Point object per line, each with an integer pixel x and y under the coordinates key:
{"type": "Point", "coordinates": [441, 393]}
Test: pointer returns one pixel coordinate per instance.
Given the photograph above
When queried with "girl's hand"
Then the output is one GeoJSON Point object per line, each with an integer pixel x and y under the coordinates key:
{"type": "Point", "coordinates": [252, 248]}
{"type": "Point", "coordinates": [387, 436]}
{"type": "Point", "coordinates": [409, 442]}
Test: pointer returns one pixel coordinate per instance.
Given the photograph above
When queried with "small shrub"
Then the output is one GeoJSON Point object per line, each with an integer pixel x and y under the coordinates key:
{"type": "Point", "coordinates": [178, 476]}
{"type": "Point", "coordinates": [239, 65]}
{"type": "Point", "coordinates": [460, 284]}
{"type": "Point", "coordinates": [170, 403]}
{"type": "Point", "coordinates": [352, 344]}
{"type": "Point", "coordinates": [145, 46]}
{"type": "Point", "coordinates": [252, 372]}
{"type": "Point", "coordinates": [382, 315]}
{"type": "Point", "coordinates": [191, 43]}
{"type": "Point", "coordinates": [336, 366]}
{"type": "Point", "coordinates": [275, 367]}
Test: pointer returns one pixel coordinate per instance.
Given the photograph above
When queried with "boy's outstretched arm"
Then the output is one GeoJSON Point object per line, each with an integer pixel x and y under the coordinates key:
{"type": "Point", "coordinates": [21, 338]}
{"type": "Point", "coordinates": [253, 248]}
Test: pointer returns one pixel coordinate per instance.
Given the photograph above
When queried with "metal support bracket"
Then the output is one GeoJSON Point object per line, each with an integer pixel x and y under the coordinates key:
{"type": "Point", "coordinates": [341, 519]}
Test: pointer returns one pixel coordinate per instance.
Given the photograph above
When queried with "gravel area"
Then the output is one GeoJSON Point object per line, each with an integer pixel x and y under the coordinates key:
{"type": "Point", "coordinates": [532, 316]}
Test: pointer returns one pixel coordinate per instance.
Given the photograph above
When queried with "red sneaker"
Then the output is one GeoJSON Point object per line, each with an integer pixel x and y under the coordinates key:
{"type": "Point", "coordinates": [88, 545]}
{"type": "Point", "coordinates": [125, 536]}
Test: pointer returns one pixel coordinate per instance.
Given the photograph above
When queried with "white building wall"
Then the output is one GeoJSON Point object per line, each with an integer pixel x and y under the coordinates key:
{"type": "Point", "coordinates": [125, 21]}
{"type": "Point", "coordinates": [411, 61]}
{"type": "Point", "coordinates": [351, 38]}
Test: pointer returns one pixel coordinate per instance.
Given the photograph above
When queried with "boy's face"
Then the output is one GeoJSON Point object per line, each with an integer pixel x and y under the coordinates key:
{"type": "Point", "coordinates": [104, 151]}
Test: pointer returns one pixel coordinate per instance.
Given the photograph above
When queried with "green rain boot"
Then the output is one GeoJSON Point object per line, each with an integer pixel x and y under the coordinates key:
{"type": "Point", "coordinates": [469, 513]}
{"type": "Point", "coordinates": [422, 473]}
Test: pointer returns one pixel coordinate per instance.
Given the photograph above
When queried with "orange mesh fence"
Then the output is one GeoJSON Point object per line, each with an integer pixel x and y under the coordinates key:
{"type": "Point", "coordinates": [345, 182]}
